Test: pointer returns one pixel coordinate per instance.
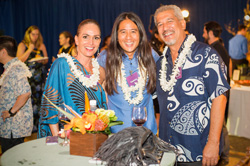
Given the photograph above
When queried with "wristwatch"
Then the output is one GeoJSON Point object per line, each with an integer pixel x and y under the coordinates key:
{"type": "Point", "coordinates": [11, 114]}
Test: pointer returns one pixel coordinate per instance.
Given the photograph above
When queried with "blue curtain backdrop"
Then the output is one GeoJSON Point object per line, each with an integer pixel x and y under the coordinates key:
{"type": "Point", "coordinates": [55, 16]}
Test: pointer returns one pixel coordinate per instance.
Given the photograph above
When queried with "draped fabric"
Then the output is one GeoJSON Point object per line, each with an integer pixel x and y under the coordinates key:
{"type": "Point", "coordinates": [62, 87]}
{"type": "Point", "coordinates": [55, 16]}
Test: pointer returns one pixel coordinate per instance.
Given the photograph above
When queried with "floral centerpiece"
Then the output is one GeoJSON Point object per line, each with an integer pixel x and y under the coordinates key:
{"type": "Point", "coordinates": [89, 130]}
{"type": "Point", "coordinates": [98, 121]}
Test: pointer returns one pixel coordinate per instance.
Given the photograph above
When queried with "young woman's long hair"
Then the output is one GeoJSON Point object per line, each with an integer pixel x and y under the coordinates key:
{"type": "Point", "coordinates": [115, 53]}
{"type": "Point", "coordinates": [27, 40]}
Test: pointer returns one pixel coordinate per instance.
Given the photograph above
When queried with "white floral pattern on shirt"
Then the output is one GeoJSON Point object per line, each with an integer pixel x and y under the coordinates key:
{"type": "Point", "coordinates": [13, 86]}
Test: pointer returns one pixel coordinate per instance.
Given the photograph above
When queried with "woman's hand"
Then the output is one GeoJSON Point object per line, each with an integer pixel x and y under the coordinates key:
{"type": "Point", "coordinates": [31, 47]}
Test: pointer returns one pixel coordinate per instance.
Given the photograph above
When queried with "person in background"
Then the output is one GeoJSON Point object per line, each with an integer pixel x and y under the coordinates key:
{"type": "Point", "coordinates": [67, 42]}
{"type": "Point", "coordinates": [129, 64]}
{"type": "Point", "coordinates": [70, 77]}
{"type": "Point", "coordinates": [30, 50]}
{"type": "Point", "coordinates": [190, 87]}
{"type": "Point", "coordinates": [16, 121]}
{"type": "Point", "coordinates": [156, 42]}
{"type": "Point", "coordinates": [211, 33]}
{"type": "Point", "coordinates": [158, 45]}
{"type": "Point", "coordinates": [238, 48]}
{"type": "Point", "coordinates": [106, 43]}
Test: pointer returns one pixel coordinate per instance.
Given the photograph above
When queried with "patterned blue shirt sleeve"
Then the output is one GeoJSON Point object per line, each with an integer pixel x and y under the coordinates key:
{"type": "Point", "coordinates": [55, 79]}
{"type": "Point", "coordinates": [214, 75]}
{"type": "Point", "coordinates": [17, 75]}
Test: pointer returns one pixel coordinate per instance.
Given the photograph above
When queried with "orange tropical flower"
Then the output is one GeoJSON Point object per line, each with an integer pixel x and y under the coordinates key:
{"type": "Point", "coordinates": [92, 121]}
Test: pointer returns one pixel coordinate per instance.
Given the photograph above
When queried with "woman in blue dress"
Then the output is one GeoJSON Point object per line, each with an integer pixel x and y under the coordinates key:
{"type": "Point", "coordinates": [130, 68]}
{"type": "Point", "coordinates": [70, 77]}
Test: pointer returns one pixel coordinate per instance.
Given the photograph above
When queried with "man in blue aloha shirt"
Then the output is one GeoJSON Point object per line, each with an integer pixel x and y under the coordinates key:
{"type": "Point", "coordinates": [16, 121]}
{"type": "Point", "coordinates": [190, 88]}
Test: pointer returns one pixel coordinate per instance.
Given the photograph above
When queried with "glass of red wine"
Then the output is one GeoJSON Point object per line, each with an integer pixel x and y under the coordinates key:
{"type": "Point", "coordinates": [139, 115]}
{"type": "Point", "coordinates": [62, 121]}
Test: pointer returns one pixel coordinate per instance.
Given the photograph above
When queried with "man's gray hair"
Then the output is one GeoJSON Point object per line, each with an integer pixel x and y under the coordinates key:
{"type": "Point", "coordinates": [176, 9]}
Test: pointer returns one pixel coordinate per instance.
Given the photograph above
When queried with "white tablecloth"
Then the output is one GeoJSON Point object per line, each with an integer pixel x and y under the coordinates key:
{"type": "Point", "coordinates": [37, 153]}
{"type": "Point", "coordinates": [239, 112]}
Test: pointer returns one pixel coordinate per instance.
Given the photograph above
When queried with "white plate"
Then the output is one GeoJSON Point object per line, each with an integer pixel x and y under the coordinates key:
{"type": "Point", "coordinates": [37, 59]}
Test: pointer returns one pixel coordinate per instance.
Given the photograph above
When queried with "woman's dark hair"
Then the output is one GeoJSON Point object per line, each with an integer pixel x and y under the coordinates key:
{"type": "Point", "coordinates": [68, 35]}
{"type": "Point", "coordinates": [10, 44]}
{"type": "Point", "coordinates": [115, 53]}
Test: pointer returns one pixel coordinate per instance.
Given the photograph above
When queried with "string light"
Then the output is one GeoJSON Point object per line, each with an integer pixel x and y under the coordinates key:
{"type": "Point", "coordinates": [185, 13]}
{"type": "Point", "coordinates": [247, 17]}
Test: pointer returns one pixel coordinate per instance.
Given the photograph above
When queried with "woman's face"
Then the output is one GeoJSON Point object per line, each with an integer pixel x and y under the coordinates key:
{"type": "Point", "coordinates": [88, 40]}
{"type": "Point", "coordinates": [128, 36]}
{"type": "Point", "coordinates": [34, 35]}
{"type": "Point", "coordinates": [63, 40]}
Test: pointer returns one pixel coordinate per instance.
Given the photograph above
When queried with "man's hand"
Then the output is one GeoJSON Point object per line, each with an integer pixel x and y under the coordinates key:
{"type": "Point", "coordinates": [5, 115]}
{"type": "Point", "coordinates": [210, 154]}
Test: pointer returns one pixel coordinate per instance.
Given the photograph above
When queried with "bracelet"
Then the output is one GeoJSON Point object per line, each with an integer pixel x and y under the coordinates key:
{"type": "Point", "coordinates": [11, 114]}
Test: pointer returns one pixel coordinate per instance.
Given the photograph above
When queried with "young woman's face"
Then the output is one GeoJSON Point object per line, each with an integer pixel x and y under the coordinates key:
{"type": "Point", "coordinates": [128, 36]}
{"type": "Point", "coordinates": [34, 35]}
{"type": "Point", "coordinates": [63, 40]}
{"type": "Point", "coordinates": [88, 40]}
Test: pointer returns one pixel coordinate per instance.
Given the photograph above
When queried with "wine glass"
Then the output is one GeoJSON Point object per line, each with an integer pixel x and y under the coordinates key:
{"type": "Point", "coordinates": [62, 121]}
{"type": "Point", "coordinates": [139, 115]}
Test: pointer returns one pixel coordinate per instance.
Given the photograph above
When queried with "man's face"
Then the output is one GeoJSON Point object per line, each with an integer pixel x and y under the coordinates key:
{"type": "Point", "coordinates": [205, 35]}
{"type": "Point", "coordinates": [170, 28]}
{"type": "Point", "coordinates": [244, 32]}
{"type": "Point", "coordinates": [2, 57]}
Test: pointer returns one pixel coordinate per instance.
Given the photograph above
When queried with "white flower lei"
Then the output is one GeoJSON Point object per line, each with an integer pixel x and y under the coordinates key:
{"type": "Point", "coordinates": [26, 74]}
{"type": "Point", "coordinates": [168, 85]}
{"type": "Point", "coordinates": [88, 82]}
{"type": "Point", "coordinates": [140, 85]}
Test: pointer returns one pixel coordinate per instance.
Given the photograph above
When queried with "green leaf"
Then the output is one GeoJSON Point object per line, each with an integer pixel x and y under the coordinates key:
{"type": "Point", "coordinates": [115, 123]}
{"type": "Point", "coordinates": [70, 116]}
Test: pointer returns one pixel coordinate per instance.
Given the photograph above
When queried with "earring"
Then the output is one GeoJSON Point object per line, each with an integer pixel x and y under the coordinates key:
{"type": "Point", "coordinates": [98, 53]}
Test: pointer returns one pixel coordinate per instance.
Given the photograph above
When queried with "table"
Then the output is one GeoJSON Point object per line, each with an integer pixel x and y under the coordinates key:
{"type": "Point", "coordinates": [37, 153]}
{"type": "Point", "coordinates": [239, 112]}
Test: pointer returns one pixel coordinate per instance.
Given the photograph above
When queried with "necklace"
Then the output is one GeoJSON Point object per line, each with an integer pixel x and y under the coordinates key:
{"type": "Point", "coordinates": [168, 85]}
{"type": "Point", "coordinates": [139, 86]}
{"type": "Point", "coordinates": [26, 73]}
{"type": "Point", "coordinates": [85, 81]}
